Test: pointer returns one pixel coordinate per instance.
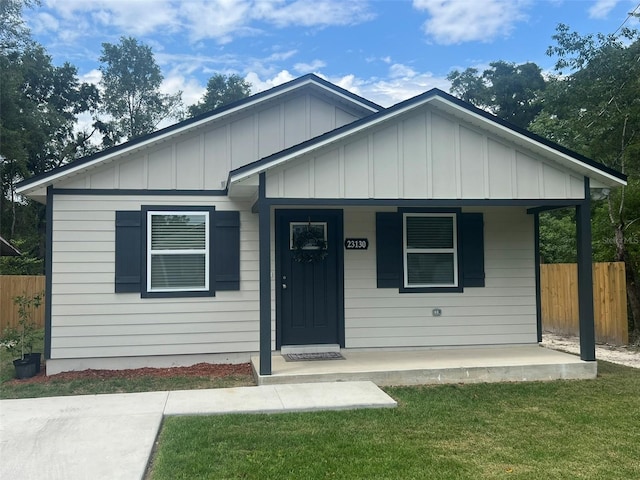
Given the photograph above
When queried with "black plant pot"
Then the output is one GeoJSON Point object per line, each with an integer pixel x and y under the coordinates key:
{"type": "Point", "coordinates": [24, 368]}
{"type": "Point", "coordinates": [35, 358]}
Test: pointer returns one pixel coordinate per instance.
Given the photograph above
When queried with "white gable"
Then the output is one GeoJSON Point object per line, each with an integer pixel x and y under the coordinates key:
{"type": "Point", "coordinates": [432, 146]}
{"type": "Point", "coordinates": [424, 154]}
{"type": "Point", "coordinates": [200, 154]}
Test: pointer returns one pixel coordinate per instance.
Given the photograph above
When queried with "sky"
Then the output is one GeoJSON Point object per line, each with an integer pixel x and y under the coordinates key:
{"type": "Point", "coordinates": [384, 50]}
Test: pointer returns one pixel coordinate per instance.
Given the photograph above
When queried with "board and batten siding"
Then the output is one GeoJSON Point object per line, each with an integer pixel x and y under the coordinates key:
{"type": "Point", "coordinates": [426, 154]}
{"type": "Point", "coordinates": [89, 320]}
{"type": "Point", "coordinates": [202, 159]}
{"type": "Point", "coordinates": [502, 312]}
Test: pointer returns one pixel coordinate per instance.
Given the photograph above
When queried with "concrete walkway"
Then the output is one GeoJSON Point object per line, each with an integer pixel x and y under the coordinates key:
{"type": "Point", "coordinates": [111, 436]}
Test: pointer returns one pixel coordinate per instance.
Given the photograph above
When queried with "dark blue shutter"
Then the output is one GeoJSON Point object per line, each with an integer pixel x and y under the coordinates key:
{"type": "Point", "coordinates": [128, 251]}
{"type": "Point", "coordinates": [226, 246]}
{"type": "Point", "coordinates": [472, 237]}
{"type": "Point", "coordinates": [388, 249]}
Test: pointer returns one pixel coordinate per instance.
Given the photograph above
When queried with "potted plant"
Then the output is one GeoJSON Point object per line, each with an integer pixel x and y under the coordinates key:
{"type": "Point", "coordinates": [19, 340]}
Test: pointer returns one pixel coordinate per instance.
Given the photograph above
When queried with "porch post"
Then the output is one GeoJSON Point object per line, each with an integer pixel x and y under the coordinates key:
{"type": "Point", "coordinates": [536, 233]}
{"type": "Point", "coordinates": [264, 241]}
{"type": "Point", "coordinates": [585, 277]}
{"type": "Point", "coordinates": [48, 269]}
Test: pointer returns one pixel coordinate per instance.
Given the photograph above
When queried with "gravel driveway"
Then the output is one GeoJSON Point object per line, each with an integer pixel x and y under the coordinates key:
{"type": "Point", "coordinates": [624, 355]}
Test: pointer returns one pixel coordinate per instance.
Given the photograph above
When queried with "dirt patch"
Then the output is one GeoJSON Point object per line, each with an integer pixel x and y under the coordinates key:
{"type": "Point", "coordinates": [623, 355]}
{"type": "Point", "coordinates": [208, 370]}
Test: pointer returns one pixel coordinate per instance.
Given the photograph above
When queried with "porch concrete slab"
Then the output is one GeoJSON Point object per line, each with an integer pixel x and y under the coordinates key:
{"type": "Point", "coordinates": [433, 366]}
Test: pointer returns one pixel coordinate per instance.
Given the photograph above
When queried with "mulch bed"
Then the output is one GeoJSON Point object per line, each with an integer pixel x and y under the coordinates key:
{"type": "Point", "coordinates": [199, 370]}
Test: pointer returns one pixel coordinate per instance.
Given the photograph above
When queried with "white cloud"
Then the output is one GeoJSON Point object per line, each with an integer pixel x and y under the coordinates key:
{"type": "Point", "coordinates": [259, 85]}
{"type": "Point", "coordinates": [314, 66]}
{"type": "Point", "coordinates": [133, 17]}
{"type": "Point", "coordinates": [385, 92]}
{"type": "Point", "coordinates": [221, 20]}
{"type": "Point", "coordinates": [459, 21]}
{"type": "Point", "coordinates": [192, 90]}
{"type": "Point", "coordinates": [601, 8]}
{"type": "Point", "coordinates": [93, 76]}
{"type": "Point", "coordinates": [398, 70]}
{"type": "Point", "coordinates": [44, 22]}
{"type": "Point", "coordinates": [313, 12]}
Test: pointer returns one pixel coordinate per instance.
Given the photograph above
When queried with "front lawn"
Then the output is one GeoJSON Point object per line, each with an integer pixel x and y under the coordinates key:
{"type": "Point", "coordinates": [562, 429]}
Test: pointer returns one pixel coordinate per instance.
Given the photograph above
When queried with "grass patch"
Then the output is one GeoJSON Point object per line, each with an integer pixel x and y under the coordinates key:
{"type": "Point", "coordinates": [552, 430]}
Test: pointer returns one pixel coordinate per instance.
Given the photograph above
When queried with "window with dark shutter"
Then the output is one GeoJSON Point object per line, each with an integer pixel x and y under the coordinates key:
{"type": "Point", "coordinates": [177, 251]}
{"type": "Point", "coordinates": [419, 251]}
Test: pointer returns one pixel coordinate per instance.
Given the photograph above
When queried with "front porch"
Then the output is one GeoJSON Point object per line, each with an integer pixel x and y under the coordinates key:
{"type": "Point", "coordinates": [511, 363]}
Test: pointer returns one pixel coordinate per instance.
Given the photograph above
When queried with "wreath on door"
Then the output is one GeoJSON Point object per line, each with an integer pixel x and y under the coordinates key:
{"type": "Point", "coordinates": [309, 245]}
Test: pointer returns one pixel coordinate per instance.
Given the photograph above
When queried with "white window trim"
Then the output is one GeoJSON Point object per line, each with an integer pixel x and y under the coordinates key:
{"type": "Point", "coordinates": [205, 251]}
{"type": "Point", "coordinates": [292, 226]}
{"type": "Point", "coordinates": [406, 251]}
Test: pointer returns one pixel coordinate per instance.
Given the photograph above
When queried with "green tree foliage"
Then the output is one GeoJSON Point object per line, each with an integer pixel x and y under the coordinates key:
{"type": "Point", "coordinates": [592, 106]}
{"type": "Point", "coordinates": [558, 231]}
{"type": "Point", "coordinates": [13, 32]}
{"type": "Point", "coordinates": [221, 90]}
{"type": "Point", "coordinates": [40, 104]}
{"type": "Point", "coordinates": [131, 81]}
{"type": "Point", "coordinates": [511, 92]}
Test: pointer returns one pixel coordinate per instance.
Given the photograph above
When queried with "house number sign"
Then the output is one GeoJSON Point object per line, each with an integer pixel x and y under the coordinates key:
{"type": "Point", "coordinates": [356, 243]}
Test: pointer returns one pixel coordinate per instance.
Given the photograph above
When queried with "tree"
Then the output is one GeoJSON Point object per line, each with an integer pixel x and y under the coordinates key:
{"type": "Point", "coordinates": [511, 92]}
{"type": "Point", "coordinates": [40, 103]}
{"type": "Point", "coordinates": [13, 32]}
{"type": "Point", "coordinates": [221, 90]}
{"type": "Point", "coordinates": [131, 81]}
{"type": "Point", "coordinates": [595, 110]}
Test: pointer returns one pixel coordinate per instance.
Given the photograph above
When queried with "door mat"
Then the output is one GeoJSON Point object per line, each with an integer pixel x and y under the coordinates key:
{"type": "Point", "coordinates": [305, 357]}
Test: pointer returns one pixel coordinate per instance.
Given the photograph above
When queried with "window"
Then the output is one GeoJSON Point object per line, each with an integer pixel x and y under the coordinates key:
{"type": "Point", "coordinates": [429, 250]}
{"type": "Point", "coordinates": [430, 255]}
{"type": "Point", "coordinates": [178, 251]}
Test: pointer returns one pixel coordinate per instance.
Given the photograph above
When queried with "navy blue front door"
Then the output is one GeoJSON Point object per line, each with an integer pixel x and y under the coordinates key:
{"type": "Point", "coordinates": [309, 285]}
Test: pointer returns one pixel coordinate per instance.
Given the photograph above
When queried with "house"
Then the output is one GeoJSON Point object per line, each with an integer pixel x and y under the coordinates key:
{"type": "Point", "coordinates": [306, 215]}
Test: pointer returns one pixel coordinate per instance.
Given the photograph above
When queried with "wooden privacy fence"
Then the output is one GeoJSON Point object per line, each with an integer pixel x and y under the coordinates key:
{"type": "Point", "coordinates": [559, 296]}
{"type": "Point", "coordinates": [13, 285]}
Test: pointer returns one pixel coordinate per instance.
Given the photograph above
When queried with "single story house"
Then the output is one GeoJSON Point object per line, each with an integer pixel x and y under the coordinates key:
{"type": "Point", "coordinates": [307, 216]}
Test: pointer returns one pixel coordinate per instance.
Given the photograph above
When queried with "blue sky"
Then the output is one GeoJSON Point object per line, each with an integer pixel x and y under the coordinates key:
{"type": "Point", "coordinates": [385, 50]}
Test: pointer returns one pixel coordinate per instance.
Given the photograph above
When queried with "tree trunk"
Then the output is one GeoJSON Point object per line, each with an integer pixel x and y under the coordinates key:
{"type": "Point", "coordinates": [633, 295]}
{"type": "Point", "coordinates": [633, 286]}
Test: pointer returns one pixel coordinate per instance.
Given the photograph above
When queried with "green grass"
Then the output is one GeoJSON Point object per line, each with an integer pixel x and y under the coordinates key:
{"type": "Point", "coordinates": [555, 430]}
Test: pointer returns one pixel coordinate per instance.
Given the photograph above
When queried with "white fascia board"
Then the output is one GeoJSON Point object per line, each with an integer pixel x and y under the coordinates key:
{"type": "Point", "coordinates": [559, 156]}
{"type": "Point", "coordinates": [178, 131]}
